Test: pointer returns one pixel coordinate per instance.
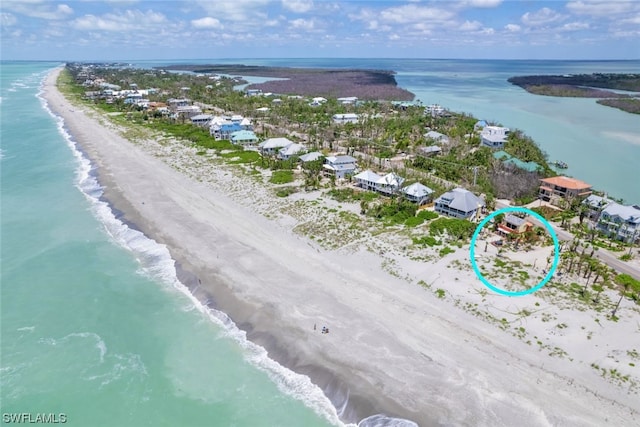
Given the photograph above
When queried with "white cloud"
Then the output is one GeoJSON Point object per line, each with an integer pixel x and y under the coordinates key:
{"type": "Point", "coordinates": [470, 26]}
{"type": "Point", "coordinates": [302, 24]}
{"type": "Point", "coordinates": [234, 10]}
{"type": "Point", "coordinates": [513, 28]}
{"type": "Point", "coordinates": [542, 17]}
{"type": "Point", "coordinates": [413, 13]}
{"type": "Point", "coordinates": [575, 26]}
{"type": "Point", "coordinates": [298, 6]}
{"type": "Point", "coordinates": [125, 21]}
{"type": "Point", "coordinates": [7, 20]}
{"type": "Point", "coordinates": [38, 9]}
{"type": "Point", "coordinates": [484, 3]}
{"type": "Point", "coordinates": [601, 8]}
{"type": "Point", "coordinates": [206, 23]}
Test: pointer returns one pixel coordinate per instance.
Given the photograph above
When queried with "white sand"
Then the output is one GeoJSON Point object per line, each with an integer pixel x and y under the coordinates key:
{"type": "Point", "coordinates": [399, 348]}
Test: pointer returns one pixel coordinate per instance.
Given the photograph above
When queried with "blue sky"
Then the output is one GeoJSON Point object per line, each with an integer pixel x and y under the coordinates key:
{"type": "Point", "coordinates": [190, 29]}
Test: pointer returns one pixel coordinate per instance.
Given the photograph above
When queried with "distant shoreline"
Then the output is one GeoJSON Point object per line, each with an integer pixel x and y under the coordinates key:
{"type": "Point", "coordinates": [363, 84]}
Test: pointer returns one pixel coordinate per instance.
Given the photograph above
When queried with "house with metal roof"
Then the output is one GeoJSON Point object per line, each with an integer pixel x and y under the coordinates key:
{"type": "Point", "coordinates": [509, 160]}
{"type": "Point", "coordinates": [437, 137]}
{"type": "Point", "coordinates": [512, 224]}
{"type": "Point", "coordinates": [345, 118]}
{"type": "Point", "coordinates": [285, 153]}
{"type": "Point", "coordinates": [494, 136]}
{"type": "Point", "coordinates": [620, 222]}
{"type": "Point", "coordinates": [310, 157]}
{"type": "Point", "coordinates": [340, 166]}
{"type": "Point", "coordinates": [459, 203]}
{"type": "Point", "coordinates": [367, 180]}
{"type": "Point", "coordinates": [201, 120]}
{"type": "Point", "coordinates": [391, 183]}
{"type": "Point", "coordinates": [417, 193]}
{"type": "Point", "coordinates": [244, 137]}
{"type": "Point", "coordinates": [273, 145]}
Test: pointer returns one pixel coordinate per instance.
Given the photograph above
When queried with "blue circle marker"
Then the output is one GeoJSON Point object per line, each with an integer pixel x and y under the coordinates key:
{"type": "Point", "coordinates": [556, 257]}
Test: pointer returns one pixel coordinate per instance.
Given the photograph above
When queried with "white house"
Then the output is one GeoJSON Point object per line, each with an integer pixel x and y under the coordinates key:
{"type": "Point", "coordinates": [285, 153]}
{"type": "Point", "coordinates": [417, 193]}
{"type": "Point", "coordinates": [459, 203]}
{"type": "Point", "coordinates": [620, 222]}
{"type": "Point", "coordinates": [201, 120]}
{"type": "Point", "coordinates": [437, 137]}
{"type": "Point", "coordinates": [434, 110]}
{"type": "Point", "coordinates": [339, 166]}
{"type": "Point", "coordinates": [390, 183]}
{"type": "Point", "coordinates": [494, 136]}
{"type": "Point", "coordinates": [367, 180]}
{"type": "Point", "coordinates": [273, 145]}
{"type": "Point", "coordinates": [347, 100]}
{"type": "Point", "coordinates": [345, 118]}
{"type": "Point", "coordinates": [310, 157]}
{"type": "Point", "coordinates": [244, 137]}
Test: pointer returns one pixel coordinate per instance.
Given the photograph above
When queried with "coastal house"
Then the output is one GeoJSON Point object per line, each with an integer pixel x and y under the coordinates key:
{"type": "Point", "coordinates": [480, 124]}
{"type": "Point", "coordinates": [339, 166]}
{"type": "Point", "coordinates": [508, 160]}
{"type": "Point", "coordinates": [494, 136]}
{"type": "Point", "coordinates": [174, 103]}
{"type": "Point", "coordinates": [188, 111]}
{"type": "Point", "coordinates": [244, 138]}
{"type": "Point", "coordinates": [310, 157]}
{"type": "Point", "coordinates": [272, 146]}
{"type": "Point", "coordinates": [441, 138]}
{"type": "Point", "coordinates": [595, 204]}
{"type": "Point", "coordinates": [201, 120]}
{"type": "Point", "coordinates": [434, 110]}
{"type": "Point", "coordinates": [620, 222]}
{"type": "Point", "coordinates": [389, 184]}
{"type": "Point", "coordinates": [459, 203]}
{"type": "Point", "coordinates": [345, 118]}
{"type": "Point", "coordinates": [417, 193]}
{"type": "Point", "coordinates": [347, 100]}
{"type": "Point", "coordinates": [367, 180]}
{"type": "Point", "coordinates": [562, 187]}
{"type": "Point", "coordinates": [253, 92]}
{"type": "Point", "coordinates": [285, 153]}
{"type": "Point", "coordinates": [512, 224]}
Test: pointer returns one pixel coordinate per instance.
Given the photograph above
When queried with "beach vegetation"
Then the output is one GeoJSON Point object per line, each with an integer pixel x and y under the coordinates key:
{"type": "Point", "coordinates": [393, 211]}
{"type": "Point", "coordinates": [445, 251]}
{"type": "Point", "coordinates": [440, 293]}
{"type": "Point", "coordinates": [352, 195]}
{"type": "Point", "coordinates": [426, 241]}
{"type": "Point", "coordinates": [281, 177]}
{"type": "Point", "coordinates": [453, 227]}
{"type": "Point", "coordinates": [286, 191]}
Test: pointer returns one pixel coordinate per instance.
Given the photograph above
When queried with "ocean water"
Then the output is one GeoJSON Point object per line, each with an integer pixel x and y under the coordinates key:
{"type": "Point", "coordinates": [94, 323]}
{"type": "Point", "coordinates": [600, 144]}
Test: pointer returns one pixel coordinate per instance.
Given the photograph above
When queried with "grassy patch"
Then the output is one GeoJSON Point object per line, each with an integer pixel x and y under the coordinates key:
{"type": "Point", "coordinates": [351, 195]}
{"type": "Point", "coordinates": [238, 157]}
{"type": "Point", "coordinates": [445, 251]}
{"type": "Point", "coordinates": [285, 191]}
{"type": "Point", "coordinates": [426, 241]}
{"type": "Point", "coordinates": [281, 177]}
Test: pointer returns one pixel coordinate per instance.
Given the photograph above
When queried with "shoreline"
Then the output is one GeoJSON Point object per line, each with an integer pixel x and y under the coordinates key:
{"type": "Point", "coordinates": [403, 341]}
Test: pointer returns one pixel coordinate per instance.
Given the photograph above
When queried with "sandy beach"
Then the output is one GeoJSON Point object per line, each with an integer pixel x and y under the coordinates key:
{"type": "Point", "coordinates": [395, 347]}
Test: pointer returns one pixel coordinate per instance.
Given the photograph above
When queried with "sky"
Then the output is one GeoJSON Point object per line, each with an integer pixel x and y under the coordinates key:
{"type": "Point", "coordinates": [208, 29]}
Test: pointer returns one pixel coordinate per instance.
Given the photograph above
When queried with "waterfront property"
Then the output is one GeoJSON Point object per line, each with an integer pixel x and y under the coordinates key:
{"type": "Point", "coordinates": [434, 110]}
{"type": "Point", "coordinates": [508, 160]}
{"type": "Point", "coordinates": [562, 187]}
{"type": "Point", "coordinates": [272, 146]}
{"type": "Point", "coordinates": [285, 153]}
{"type": "Point", "coordinates": [244, 137]}
{"type": "Point", "coordinates": [459, 203]}
{"type": "Point", "coordinates": [417, 193]}
{"type": "Point", "coordinates": [494, 136]}
{"type": "Point", "coordinates": [339, 166]}
{"type": "Point", "coordinates": [310, 157]}
{"type": "Point", "coordinates": [201, 120]}
{"type": "Point", "coordinates": [389, 184]}
{"type": "Point", "coordinates": [367, 179]}
{"type": "Point", "coordinates": [512, 224]}
{"type": "Point", "coordinates": [595, 204]}
{"type": "Point", "coordinates": [480, 124]}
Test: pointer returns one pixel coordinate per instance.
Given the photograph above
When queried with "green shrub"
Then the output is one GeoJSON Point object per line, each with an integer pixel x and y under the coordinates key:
{"type": "Point", "coordinates": [427, 215]}
{"type": "Point", "coordinates": [445, 251]}
{"type": "Point", "coordinates": [426, 241]}
{"type": "Point", "coordinates": [281, 177]}
{"type": "Point", "coordinates": [458, 228]}
{"type": "Point", "coordinates": [414, 221]}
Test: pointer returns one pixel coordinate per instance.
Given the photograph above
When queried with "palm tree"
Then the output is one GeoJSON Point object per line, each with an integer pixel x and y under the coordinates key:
{"type": "Point", "coordinates": [626, 282]}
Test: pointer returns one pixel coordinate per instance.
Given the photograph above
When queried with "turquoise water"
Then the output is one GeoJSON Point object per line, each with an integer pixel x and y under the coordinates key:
{"type": "Point", "coordinates": [94, 323]}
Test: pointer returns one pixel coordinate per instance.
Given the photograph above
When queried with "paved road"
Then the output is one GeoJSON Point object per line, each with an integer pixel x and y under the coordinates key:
{"type": "Point", "coordinates": [607, 257]}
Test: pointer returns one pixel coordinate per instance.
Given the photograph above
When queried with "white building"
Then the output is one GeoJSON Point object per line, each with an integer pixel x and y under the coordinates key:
{"type": "Point", "coordinates": [345, 118]}
{"type": "Point", "coordinates": [494, 136]}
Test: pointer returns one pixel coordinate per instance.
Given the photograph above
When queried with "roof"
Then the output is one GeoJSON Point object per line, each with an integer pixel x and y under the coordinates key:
{"type": "Point", "coordinates": [334, 160]}
{"type": "Point", "coordinates": [345, 116]}
{"type": "Point", "coordinates": [417, 190]}
{"type": "Point", "coordinates": [392, 179]}
{"type": "Point", "coordinates": [368, 176]}
{"type": "Point", "coordinates": [629, 214]}
{"type": "Point", "coordinates": [291, 149]}
{"type": "Point", "coordinates": [243, 135]}
{"type": "Point", "coordinates": [461, 199]}
{"type": "Point", "coordinates": [430, 149]}
{"type": "Point", "coordinates": [201, 117]}
{"type": "Point", "coordinates": [596, 201]}
{"type": "Point", "coordinates": [275, 143]}
{"type": "Point", "coordinates": [515, 220]}
{"type": "Point", "coordinates": [310, 157]}
{"type": "Point", "coordinates": [566, 182]}
{"type": "Point", "coordinates": [436, 135]}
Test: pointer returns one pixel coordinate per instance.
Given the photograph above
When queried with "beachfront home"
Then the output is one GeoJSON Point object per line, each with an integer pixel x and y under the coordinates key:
{"type": "Point", "coordinates": [310, 157]}
{"type": "Point", "coordinates": [459, 203]}
{"type": "Point", "coordinates": [389, 184]}
{"type": "Point", "coordinates": [174, 103]}
{"type": "Point", "coordinates": [562, 187]}
{"type": "Point", "coordinates": [345, 118]}
{"type": "Point", "coordinates": [367, 180]}
{"type": "Point", "coordinates": [512, 224]}
{"type": "Point", "coordinates": [285, 153]}
{"type": "Point", "coordinates": [347, 100]}
{"type": "Point", "coordinates": [188, 111]}
{"type": "Point", "coordinates": [494, 136]}
{"type": "Point", "coordinates": [595, 205]}
{"type": "Point", "coordinates": [417, 193]}
{"type": "Point", "coordinates": [620, 222]}
{"type": "Point", "coordinates": [432, 135]}
{"type": "Point", "coordinates": [201, 120]}
{"type": "Point", "coordinates": [244, 137]}
{"type": "Point", "coordinates": [480, 124]}
{"type": "Point", "coordinates": [339, 166]}
{"type": "Point", "coordinates": [272, 146]}
{"type": "Point", "coordinates": [434, 110]}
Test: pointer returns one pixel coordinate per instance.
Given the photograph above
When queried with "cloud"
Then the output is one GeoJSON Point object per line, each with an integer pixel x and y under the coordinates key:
{"type": "Point", "coordinates": [298, 6]}
{"type": "Point", "coordinates": [412, 13]}
{"type": "Point", "coordinates": [484, 3]}
{"type": "Point", "coordinates": [575, 26]}
{"type": "Point", "coordinates": [38, 9]}
{"type": "Point", "coordinates": [542, 17]}
{"type": "Point", "coordinates": [470, 26]}
{"type": "Point", "coordinates": [601, 8]}
{"type": "Point", "coordinates": [7, 20]}
{"type": "Point", "coordinates": [513, 28]}
{"type": "Point", "coordinates": [206, 23]}
{"type": "Point", "coordinates": [302, 24]}
{"type": "Point", "coordinates": [125, 21]}
{"type": "Point", "coordinates": [234, 10]}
